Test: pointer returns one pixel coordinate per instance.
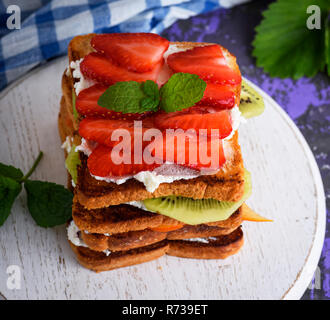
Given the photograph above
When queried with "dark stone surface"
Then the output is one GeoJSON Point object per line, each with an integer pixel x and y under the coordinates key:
{"type": "Point", "coordinates": [306, 100]}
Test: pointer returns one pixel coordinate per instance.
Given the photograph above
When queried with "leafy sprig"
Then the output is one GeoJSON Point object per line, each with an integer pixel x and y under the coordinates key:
{"type": "Point", "coordinates": [49, 203]}
{"type": "Point", "coordinates": [181, 91]}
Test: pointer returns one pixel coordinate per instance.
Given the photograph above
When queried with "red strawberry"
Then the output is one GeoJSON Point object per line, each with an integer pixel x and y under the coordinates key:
{"type": "Point", "coordinates": [101, 163]}
{"type": "Point", "coordinates": [207, 62]}
{"type": "Point", "coordinates": [193, 151]}
{"type": "Point", "coordinates": [196, 118]}
{"type": "Point", "coordinates": [99, 68]}
{"type": "Point", "coordinates": [218, 96]}
{"type": "Point", "coordinates": [86, 105]}
{"type": "Point", "coordinates": [139, 52]}
{"type": "Point", "coordinates": [100, 130]}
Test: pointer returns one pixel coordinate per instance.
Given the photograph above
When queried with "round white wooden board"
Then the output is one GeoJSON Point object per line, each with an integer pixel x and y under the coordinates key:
{"type": "Point", "coordinates": [277, 260]}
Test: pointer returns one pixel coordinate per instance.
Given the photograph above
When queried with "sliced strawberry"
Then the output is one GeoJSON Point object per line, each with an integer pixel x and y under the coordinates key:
{"type": "Point", "coordinates": [97, 67]}
{"type": "Point", "coordinates": [139, 52]}
{"type": "Point", "coordinates": [207, 62]}
{"type": "Point", "coordinates": [86, 105]}
{"type": "Point", "coordinates": [193, 151]}
{"type": "Point", "coordinates": [100, 163]}
{"type": "Point", "coordinates": [218, 96]}
{"type": "Point", "coordinates": [199, 117]}
{"type": "Point", "coordinates": [101, 130]}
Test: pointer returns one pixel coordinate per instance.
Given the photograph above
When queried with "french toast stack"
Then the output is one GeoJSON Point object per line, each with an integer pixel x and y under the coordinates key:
{"type": "Point", "coordinates": [113, 225]}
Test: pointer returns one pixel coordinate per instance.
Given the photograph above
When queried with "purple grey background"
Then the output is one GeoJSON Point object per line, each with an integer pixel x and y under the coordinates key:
{"type": "Point", "coordinates": [306, 100]}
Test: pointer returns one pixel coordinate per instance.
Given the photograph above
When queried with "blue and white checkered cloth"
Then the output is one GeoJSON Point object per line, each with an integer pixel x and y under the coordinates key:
{"type": "Point", "coordinates": [48, 25]}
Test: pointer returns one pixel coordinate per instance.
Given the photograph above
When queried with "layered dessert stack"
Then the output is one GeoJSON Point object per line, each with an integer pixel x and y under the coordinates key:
{"type": "Point", "coordinates": [184, 202]}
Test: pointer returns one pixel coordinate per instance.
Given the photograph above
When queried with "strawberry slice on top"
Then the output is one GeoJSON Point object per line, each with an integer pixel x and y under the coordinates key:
{"type": "Point", "coordinates": [188, 150]}
{"type": "Point", "coordinates": [86, 105]}
{"type": "Point", "coordinates": [139, 52]}
{"type": "Point", "coordinates": [103, 162]}
{"type": "Point", "coordinates": [219, 96]}
{"type": "Point", "coordinates": [101, 130]}
{"type": "Point", "coordinates": [98, 67]}
{"type": "Point", "coordinates": [197, 117]}
{"type": "Point", "coordinates": [208, 62]}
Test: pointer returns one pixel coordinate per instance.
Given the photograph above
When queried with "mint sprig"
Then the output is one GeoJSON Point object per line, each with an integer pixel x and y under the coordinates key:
{"type": "Point", "coordinates": [49, 203]}
{"type": "Point", "coordinates": [182, 90]}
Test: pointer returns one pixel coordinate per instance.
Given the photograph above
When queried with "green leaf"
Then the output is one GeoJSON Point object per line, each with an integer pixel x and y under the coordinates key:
{"type": "Point", "coordinates": [10, 172]}
{"type": "Point", "coordinates": [75, 112]}
{"type": "Point", "coordinates": [284, 46]}
{"type": "Point", "coordinates": [181, 91]}
{"type": "Point", "coordinates": [72, 161]}
{"type": "Point", "coordinates": [9, 190]}
{"type": "Point", "coordinates": [128, 97]}
{"type": "Point", "coordinates": [150, 88]}
{"type": "Point", "coordinates": [327, 43]}
{"type": "Point", "coordinates": [50, 204]}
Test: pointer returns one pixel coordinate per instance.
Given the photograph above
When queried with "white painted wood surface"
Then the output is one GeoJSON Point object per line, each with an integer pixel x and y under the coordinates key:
{"type": "Point", "coordinates": [277, 260]}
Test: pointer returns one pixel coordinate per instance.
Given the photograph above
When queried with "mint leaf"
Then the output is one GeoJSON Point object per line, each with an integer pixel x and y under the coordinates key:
{"type": "Point", "coordinates": [50, 204]}
{"type": "Point", "coordinates": [284, 46]}
{"type": "Point", "coordinates": [150, 88]}
{"type": "Point", "coordinates": [9, 190]}
{"type": "Point", "coordinates": [74, 110]}
{"type": "Point", "coordinates": [71, 163]}
{"type": "Point", "coordinates": [181, 91]}
{"type": "Point", "coordinates": [127, 97]}
{"type": "Point", "coordinates": [10, 172]}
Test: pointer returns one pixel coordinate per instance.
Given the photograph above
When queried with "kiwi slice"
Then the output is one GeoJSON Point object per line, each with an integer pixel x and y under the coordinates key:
{"type": "Point", "coordinates": [193, 212]}
{"type": "Point", "coordinates": [71, 163]}
{"type": "Point", "coordinates": [252, 103]}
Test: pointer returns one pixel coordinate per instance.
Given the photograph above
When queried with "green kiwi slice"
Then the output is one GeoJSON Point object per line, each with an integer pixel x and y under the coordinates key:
{"type": "Point", "coordinates": [252, 103]}
{"type": "Point", "coordinates": [193, 212]}
{"type": "Point", "coordinates": [72, 161]}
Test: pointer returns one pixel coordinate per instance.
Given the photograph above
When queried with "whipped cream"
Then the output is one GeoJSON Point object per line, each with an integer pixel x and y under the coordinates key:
{"type": "Point", "coordinates": [67, 144]}
{"type": "Point", "coordinates": [166, 173]}
{"type": "Point", "coordinates": [73, 233]}
{"type": "Point", "coordinates": [83, 83]}
{"type": "Point", "coordinates": [202, 240]}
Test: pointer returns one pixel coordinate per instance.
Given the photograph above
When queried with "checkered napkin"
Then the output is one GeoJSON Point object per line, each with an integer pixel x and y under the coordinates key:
{"type": "Point", "coordinates": [48, 25]}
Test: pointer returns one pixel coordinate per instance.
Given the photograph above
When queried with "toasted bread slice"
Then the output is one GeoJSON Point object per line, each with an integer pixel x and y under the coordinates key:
{"type": "Point", "coordinates": [135, 239]}
{"type": "Point", "coordinates": [218, 247]}
{"type": "Point", "coordinates": [98, 261]}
